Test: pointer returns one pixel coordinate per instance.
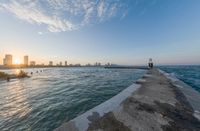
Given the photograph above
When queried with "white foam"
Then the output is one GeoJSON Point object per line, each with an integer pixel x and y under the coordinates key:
{"type": "Point", "coordinates": [197, 114]}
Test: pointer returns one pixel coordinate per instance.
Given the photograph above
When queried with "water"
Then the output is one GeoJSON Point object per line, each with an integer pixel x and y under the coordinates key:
{"type": "Point", "coordinates": [188, 74]}
{"type": "Point", "coordinates": [56, 95]}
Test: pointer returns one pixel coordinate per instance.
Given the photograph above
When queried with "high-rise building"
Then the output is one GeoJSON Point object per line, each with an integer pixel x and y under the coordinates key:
{"type": "Point", "coordinates": [4, 61]}
{"type": "Point", "coordinates": [99, 64]}
{"type": "Point", "coordinates": [26, 60]}
{"type": "Point", "coordinates": [60, 63]}
{"type": "Point", "coordinates": [32, 63]}
{"type": "Point", "coordinates": [65, 63]}
{"type": "Point", "coordinates": [50, 63]}
{"type": "Point", "coordinates": [7, 60]}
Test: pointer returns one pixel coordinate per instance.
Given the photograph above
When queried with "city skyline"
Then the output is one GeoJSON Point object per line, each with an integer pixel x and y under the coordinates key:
{"type": "Point", "coordinates": [125, 32]}
{"type": "Point", "coordinates": [8, 61]}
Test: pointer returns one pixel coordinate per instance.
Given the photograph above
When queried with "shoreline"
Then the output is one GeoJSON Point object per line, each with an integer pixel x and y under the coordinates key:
{"type": "Point", "coordinates": [158, 103]}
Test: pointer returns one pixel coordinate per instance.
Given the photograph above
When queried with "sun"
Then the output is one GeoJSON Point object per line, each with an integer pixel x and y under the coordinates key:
{"type": "Point", "coordinates": [17, 61]}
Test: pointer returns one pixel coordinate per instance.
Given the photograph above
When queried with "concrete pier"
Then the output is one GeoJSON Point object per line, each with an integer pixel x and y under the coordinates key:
{"type": "Point", "coordinates": [155, 103]}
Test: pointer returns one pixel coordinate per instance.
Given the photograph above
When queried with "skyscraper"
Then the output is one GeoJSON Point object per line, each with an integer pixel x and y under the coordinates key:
{"type": "Point", "coordinates": [26, 60]}
{"type": "Point", "coordinates": [50, 63]}
{"type": "Point", "coordinates": [32, 63]}
{"type": "Point", "coordinates": [7, 61]}
{"type": "Point", "coordinates": [65, 63]}
{"type": "Point", "coordinates": [4, 61]}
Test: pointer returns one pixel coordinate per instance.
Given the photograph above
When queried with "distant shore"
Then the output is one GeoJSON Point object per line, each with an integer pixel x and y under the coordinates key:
{"type": "Point", "coordinates": [157, 105]}
{"type": "Point", "coordinates": [27, 67]}
{"type": "Point", "coordinates": [46, 66]}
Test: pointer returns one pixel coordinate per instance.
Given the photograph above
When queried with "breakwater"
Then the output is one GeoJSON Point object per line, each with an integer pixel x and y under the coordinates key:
{"type": "Point", "coordinates": [161, 103]}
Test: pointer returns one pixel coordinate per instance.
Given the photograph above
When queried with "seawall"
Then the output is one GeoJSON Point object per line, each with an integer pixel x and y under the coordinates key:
{"type": "Point", "coordinates": [157, 102]}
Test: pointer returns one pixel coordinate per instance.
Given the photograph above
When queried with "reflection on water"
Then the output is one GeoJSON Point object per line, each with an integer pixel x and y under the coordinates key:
{"type": "Point", "coordinates": [17, 71]}
{"type": "Point", "coordinates": [13, 102]}
{"type": "Point", "coordinates": [56, 95]}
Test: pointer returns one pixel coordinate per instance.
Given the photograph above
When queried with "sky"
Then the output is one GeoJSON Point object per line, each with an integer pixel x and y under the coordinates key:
{"type": "Point", "coordinates": [126, 32]}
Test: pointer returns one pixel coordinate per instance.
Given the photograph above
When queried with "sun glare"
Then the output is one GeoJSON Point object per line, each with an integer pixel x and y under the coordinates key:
{"type": "Point", "coordinates": [17, 61]}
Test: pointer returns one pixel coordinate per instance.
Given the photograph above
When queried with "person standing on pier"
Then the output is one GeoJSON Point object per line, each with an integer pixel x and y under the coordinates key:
{"type": "Point", "coordinates": [150, 64]}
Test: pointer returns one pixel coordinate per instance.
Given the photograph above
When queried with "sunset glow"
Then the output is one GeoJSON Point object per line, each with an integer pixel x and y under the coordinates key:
{"type": "Point", "coordinates": [82, 65]}
{"type": "Point", "coordinates": [17, 61]}
{"type": "Point", "coordinates": [90, 31]}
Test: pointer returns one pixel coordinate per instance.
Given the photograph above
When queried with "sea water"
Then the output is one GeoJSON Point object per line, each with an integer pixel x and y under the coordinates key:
{"type": "Point", "coordinates": [190, 74]}
{"type": "Point", "coordinates": [53, 96]}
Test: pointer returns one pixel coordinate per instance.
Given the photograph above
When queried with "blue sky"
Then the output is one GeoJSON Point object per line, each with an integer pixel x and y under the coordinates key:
{"type": "Point", "coordinates": [88, 31]}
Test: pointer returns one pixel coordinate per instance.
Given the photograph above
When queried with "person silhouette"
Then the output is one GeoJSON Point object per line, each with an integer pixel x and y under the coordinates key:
{"type": "Point", "coordinates": [150, 64]}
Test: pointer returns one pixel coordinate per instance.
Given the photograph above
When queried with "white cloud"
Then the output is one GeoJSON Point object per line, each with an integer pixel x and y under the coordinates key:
{"type": "Point", "coordinates": [64, 15]}
{"type": "Point", "coordinates": [40, 33]}
{"type": "Point", "coordinates": [33, 15]}
{"type": "Point", "coordinates": [101, 9]}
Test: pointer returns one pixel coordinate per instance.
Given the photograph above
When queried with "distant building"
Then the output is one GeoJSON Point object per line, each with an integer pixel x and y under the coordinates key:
{"type": "Point", "coordinates": [108, 64]}
{"type": "Point", "coordinates": [77, 65]}
{"type": "Point", "coordinates": [60, 63]}
{"type": "Point", "coordinates": [65, 63]}
{"type": "Point", "coordinates": [88, 64]}
{"type": "Point", "coordinates": [50, 63]}
{"type": "Point", "coordinates": [99, 64]}
{"type": "Point", "coordinates": [7, 61]}
{"type": "Point", "coordinates": [32, 63]}
{"type": "Point", "coordinates": [26, 60]}
{"type": "Point", "coordinates": [4, 61]}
